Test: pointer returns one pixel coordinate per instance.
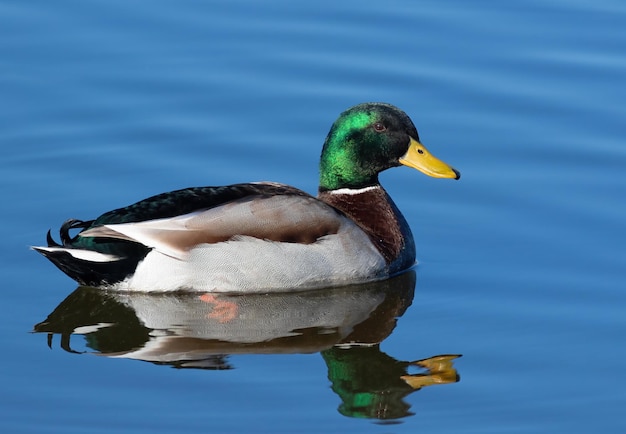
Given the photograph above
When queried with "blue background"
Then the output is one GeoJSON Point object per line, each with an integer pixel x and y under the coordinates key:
{"type": "Point", "coordinates": [522, 262]}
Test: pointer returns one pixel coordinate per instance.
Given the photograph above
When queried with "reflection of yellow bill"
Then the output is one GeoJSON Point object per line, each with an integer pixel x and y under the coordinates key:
{"type": "Point", "coordinates": [419, 158]}
{"type": "Point", "coordinates": [440, 371]}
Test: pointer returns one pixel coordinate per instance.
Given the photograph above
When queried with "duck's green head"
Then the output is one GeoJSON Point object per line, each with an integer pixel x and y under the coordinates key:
{"type": "Point", "coordinates": [369, 138]}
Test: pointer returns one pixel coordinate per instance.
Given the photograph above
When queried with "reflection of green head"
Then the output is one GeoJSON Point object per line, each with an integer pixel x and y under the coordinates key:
{"type": "Point", "coordinates": [368, 382]}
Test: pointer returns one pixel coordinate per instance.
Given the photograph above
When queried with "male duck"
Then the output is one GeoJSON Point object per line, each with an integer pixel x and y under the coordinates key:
{"type": "Point", "coordinates": [263, 236]}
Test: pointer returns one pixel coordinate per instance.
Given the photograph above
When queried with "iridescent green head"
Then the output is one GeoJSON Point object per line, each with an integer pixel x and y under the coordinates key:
{"type": "Point", "coordinates": [369, 138]}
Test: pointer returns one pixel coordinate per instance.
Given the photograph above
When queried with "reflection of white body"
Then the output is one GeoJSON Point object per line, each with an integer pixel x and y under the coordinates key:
{"type": "Point", "coordinates": [200, 329]}
{"type": "Point", "coordinates": [185, 328]}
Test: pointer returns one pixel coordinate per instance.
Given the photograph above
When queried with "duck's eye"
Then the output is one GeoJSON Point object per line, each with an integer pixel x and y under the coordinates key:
{"type": "Point", "coordinates": [379, 127]}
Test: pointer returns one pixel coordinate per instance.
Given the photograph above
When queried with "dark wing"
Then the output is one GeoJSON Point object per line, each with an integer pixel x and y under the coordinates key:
{"type": "Point", "coordinates": [166, 205]}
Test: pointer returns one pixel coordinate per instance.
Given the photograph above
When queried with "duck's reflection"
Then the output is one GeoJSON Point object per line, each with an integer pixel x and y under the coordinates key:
{"type": "Point", "coordinates": [191, 330]}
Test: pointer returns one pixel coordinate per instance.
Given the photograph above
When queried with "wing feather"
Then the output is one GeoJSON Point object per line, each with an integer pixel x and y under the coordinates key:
{"type": "Point", "coordinates": [281, 218]}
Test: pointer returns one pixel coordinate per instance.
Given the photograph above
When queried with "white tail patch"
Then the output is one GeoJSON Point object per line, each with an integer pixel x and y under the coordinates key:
{"type": "Point", "coordinates": [84, 255]}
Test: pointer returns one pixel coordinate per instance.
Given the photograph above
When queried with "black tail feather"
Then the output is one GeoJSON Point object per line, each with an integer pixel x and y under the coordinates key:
{"type": "Point", "coordinates": [87, 272]}
{"type": "Point", "coordinates": [50, 240]}
{"type": "Point", "coordinates": [92, 273]}
{"type": "Point", "coordinates": [68, 240]}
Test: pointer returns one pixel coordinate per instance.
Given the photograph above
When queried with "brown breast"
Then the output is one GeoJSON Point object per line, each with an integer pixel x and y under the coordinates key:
{"type": "Point", "coordinates": [373, 210]}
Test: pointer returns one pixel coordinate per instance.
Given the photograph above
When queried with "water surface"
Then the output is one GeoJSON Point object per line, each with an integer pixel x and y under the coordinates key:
{"type": "Point", "coordinates": [521, 263]}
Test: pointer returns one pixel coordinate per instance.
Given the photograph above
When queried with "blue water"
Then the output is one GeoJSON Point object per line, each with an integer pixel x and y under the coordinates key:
{"type": "Point", "coordinates": [521, 263]}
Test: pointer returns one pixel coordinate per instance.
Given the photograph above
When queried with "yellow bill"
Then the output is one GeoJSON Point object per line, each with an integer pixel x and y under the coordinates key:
{"type": "Point", "coordinates": [419, 158]}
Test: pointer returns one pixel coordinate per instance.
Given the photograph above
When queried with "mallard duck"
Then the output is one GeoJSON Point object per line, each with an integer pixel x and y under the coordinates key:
{"type": "Point", "coordinates": [263, 236]}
